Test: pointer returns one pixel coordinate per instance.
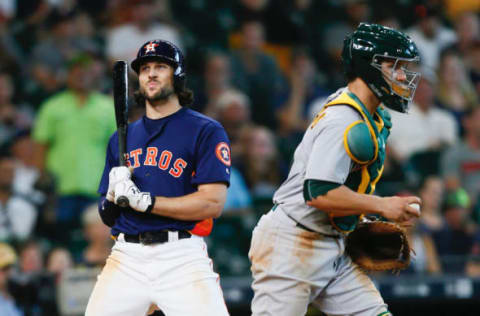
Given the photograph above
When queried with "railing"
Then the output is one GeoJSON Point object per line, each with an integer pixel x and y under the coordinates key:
{"type": "Point", "coordinates": [405, 294]}
{"type": "Point", "coordinates": [237, 289]}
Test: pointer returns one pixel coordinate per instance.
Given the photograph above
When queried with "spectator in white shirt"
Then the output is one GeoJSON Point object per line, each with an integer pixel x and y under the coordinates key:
{"type": "Point", "coordinates": [17, 214]}
{"type": "Point", "coordinates": [430, 35]}
{"type": "Point", "coordinates": [123, 41]}
{"type": "Point", "coordinates": [425, 128]}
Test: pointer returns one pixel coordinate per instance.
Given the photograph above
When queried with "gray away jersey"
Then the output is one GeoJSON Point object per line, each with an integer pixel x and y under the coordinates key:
{"type": "Point", "coordinates": [321, 155]}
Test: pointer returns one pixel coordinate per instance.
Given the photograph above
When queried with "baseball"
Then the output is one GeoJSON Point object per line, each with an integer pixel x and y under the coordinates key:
{"type": "Point", "coordinates": [415, 206]}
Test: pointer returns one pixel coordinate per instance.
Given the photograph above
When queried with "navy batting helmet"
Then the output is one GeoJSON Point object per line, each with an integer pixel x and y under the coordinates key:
{"type": "Point", "coordinates": [163, 51]}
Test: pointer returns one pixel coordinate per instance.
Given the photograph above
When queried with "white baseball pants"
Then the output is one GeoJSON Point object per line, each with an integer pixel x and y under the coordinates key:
{"type": "Point", "coordinates": [177, 276]}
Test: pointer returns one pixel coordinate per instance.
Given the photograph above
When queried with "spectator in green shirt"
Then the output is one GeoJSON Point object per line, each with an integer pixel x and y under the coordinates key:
{"type": "Point", "coordinates": [71, 131]}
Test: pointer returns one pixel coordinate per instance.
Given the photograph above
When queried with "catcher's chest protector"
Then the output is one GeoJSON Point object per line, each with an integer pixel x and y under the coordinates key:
{"type": "Point", "coordinates": [364, 142]}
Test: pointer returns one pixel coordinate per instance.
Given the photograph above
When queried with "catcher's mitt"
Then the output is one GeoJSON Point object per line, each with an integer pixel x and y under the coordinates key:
{"type": "Point", "coordinates": [378, 245]}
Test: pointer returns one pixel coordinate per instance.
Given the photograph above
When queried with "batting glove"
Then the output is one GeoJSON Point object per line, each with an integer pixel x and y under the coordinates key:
{"type": "Point", "coordinates": [139, 201]}
{"type": "Point", "coordinates": [117, 175]}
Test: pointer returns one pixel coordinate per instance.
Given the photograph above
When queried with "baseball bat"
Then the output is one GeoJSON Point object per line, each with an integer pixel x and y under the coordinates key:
{"type": "Point", "coordinates": [120, 98]}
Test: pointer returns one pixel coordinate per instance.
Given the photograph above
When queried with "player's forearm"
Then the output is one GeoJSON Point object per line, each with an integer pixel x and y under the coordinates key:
{"type": "Point", "coordinates": [191, 207]}
{"type": "Point", "coordinates": [342, 201]}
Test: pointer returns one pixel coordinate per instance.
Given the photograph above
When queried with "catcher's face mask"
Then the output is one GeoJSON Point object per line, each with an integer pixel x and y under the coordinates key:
{"type": "Point", "coordinates": [399, 74]}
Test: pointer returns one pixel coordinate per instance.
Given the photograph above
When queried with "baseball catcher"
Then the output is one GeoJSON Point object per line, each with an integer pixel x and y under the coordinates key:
{"type": "Point", "coordinates": [315, 245]}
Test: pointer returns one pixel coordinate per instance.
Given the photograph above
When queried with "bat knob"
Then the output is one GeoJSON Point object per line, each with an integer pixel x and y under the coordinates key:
{"type": "Point", "coordinates": [122, 201]}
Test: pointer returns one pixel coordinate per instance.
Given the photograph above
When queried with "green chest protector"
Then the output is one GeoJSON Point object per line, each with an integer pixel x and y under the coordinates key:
{"type": "Point", "coordinates": [364, 141]}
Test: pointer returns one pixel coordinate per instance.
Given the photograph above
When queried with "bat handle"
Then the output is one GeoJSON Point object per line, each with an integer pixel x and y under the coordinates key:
{"type": "Point", "coordinates": [122, 201]}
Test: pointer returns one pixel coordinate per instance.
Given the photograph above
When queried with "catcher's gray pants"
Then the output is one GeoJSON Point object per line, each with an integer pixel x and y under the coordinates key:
{"type": "Point", "coordinates": [293, 267]}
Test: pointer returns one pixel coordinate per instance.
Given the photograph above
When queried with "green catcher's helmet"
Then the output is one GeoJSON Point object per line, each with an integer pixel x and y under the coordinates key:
{"type": "Point", "coordinates": [367, 48]}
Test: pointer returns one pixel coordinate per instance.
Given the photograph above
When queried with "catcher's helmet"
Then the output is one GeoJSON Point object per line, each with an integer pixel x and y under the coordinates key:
{"type": "Point", "coordinates": [365, 50]}
{"type": "Point", "coordinates": [163, 51]}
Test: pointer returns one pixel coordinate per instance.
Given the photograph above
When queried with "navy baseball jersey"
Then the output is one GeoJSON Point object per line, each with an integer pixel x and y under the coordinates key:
{"type": "Point", "coordinates": [171, 156]}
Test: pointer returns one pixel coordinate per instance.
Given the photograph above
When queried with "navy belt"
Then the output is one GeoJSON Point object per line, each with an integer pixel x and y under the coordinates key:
{"type": "Point", "coordinates": [148, 238]}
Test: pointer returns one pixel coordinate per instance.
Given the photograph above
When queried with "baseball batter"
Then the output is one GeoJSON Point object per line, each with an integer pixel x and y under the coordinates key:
{"type": "Point", "coordinates": [181, 168]}
{"type": "Point", "coordinates": [297, 249]}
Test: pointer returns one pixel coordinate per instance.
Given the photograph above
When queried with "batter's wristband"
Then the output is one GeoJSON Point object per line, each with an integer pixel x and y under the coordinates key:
{"type": "Point", "coordinates": [150, 207]}
{"type": "Point", "coordinates": [109, 206]}
{"type": "Point", "coordinates": [109, 212]}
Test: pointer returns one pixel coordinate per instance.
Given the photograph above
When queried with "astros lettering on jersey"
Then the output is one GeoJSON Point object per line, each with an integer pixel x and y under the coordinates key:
{"type": "Point", "coordinates": [171, 165]}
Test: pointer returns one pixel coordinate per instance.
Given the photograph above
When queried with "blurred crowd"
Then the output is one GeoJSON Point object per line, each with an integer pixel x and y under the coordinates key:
{"type": "Point", "coordinates": [262, 68]}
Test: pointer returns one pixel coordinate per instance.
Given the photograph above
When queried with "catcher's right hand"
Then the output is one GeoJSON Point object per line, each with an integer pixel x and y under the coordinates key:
{"type": "Point", "coordinates": [117, 175]}
{"type": "Point", "coordinates": [398, 208]}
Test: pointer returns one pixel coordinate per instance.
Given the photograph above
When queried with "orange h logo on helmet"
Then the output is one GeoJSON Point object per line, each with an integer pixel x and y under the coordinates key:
{"type": "Point", "coordinates": [150, 47]}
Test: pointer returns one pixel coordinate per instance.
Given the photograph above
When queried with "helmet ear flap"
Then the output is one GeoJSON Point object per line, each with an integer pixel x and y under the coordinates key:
{"type": "Point", "coordinates": [179, 81]}
{"type": "Point", "coordinates": [179, 78]}
{"type": "Point", "coordinates": [347, 58]}
{"type": "Point", "coordinates": [347, 51]}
